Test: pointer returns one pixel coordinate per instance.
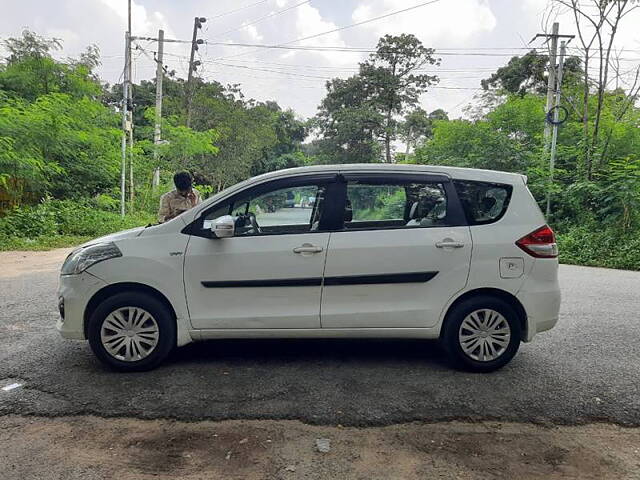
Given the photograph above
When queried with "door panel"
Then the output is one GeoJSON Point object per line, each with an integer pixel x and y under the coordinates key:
{"type": "Point", "coordinates": [413, 278]}
{"type": "Point", "coordinates": [404, 251]}
{"type": "Point", "coordinates": [255, 281]}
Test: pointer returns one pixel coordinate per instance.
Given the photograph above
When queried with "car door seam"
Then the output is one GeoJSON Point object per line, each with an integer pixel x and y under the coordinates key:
{"type": "Point", "coordinates": [324, 268]}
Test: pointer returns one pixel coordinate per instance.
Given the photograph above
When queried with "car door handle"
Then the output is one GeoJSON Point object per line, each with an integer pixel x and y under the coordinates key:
{"type": "Point", "coordinates": [449, 244]}
{"type": "Point", "coordinates": [308, 248]}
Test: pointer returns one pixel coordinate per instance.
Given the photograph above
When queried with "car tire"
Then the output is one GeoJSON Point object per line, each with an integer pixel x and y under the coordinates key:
{"type": "Point", "coordinates": [153, 343]}
{"type": "Point", "coordinates": [482, 334]}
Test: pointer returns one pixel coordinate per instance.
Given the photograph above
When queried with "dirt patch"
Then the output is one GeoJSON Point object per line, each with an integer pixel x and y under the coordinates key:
{"type": "Point", "coordinates": [129, 449]}
{"type": "Point", "coordinates": [16, 263]}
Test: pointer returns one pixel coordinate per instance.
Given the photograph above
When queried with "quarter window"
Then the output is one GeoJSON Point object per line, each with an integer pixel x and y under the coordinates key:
{"type": "Point", "coordinates": [482, 202]}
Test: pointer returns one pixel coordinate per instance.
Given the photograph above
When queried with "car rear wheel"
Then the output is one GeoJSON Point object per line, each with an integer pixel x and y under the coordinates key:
{"type": "Point", "coordinates": [131, 332]}
{"type": "Point", "coordinates": [482, 334]}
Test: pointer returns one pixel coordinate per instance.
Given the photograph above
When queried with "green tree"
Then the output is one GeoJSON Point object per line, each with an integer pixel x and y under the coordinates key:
{"type": "Point", "coordinates": [365, 109]}
{"type": "Point", "coordinates": [392, 80]}
{"type": "Point", "coordinates": [527, 74]}
{"type": "Point", "coordinates": [418, 126]}
{"type": "Point", "coordinates": [348, 125]}
{"type": "Point", "coordinates": [57, 138]}
{"type": "Point", "coordinates": [59, 145]}
{"type": "Point", "coordinates": [30, 71]}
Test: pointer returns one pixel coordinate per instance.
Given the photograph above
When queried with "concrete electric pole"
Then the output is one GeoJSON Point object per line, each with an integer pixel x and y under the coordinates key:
{"type": "Point", "coordinates": [554, 88]}
{"type": "Point", "coordinates": [157, 132]}
{"type": "Point", "coordinates": [551, 80]}
{"type": "Point", "coordinates": [125, 97]}
{"type": "Point", "coordinates": [556, 123]}
{"type": "Point", "coordinates": [130, 109]}
{"type": "Point", "coordinates": [193, 64]}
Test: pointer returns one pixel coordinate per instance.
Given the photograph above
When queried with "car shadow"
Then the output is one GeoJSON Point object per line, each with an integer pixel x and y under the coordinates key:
{"type": "Point", "coordinates": [276, 351]}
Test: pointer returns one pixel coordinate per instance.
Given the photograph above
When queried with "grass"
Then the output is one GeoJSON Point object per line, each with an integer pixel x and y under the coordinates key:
{"type": "Point", "coordinates": [63, 223]}
{"type": "Point", "coordinates": [42, 243]}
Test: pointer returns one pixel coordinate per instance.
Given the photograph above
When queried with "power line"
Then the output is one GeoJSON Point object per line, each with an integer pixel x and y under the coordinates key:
{"type": "Point", "coordinates": [363, 22]}
{"type": "Point", "coordinates": [342, 69]}
{"type": "Point", "coordinates": [235, 10]}
{"type": "Point", "coordinates": [301, 75]}
{"type": "Point", "coordinates": [281, 70]}
{"type": "Point", "coordinates": [357, 24]}
{"type": "Point", "coordinates": [318, 48]}
{"type": "Point", "coordinates": [286, 46]}
{"type": "Point", "coordinates": [258, 20]}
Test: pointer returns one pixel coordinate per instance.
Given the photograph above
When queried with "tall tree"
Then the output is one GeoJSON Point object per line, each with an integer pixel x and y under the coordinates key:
{"type": "Point", "coordinates": [394, 82]}
{"type": "Point", "coordinates": [366, 108]}
{"type": "Point", "coordinates": [597, 23]}
{"type": "Point", "coordinates": [348, 125]}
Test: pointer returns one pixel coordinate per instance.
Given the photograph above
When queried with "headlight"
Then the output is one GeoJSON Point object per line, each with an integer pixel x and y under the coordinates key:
{"type": "Point", "coordinates": [83, 258]}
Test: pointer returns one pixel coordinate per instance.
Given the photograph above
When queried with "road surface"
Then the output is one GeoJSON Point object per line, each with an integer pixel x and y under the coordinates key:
{"type": "Point", "coordinates": [586, 369]}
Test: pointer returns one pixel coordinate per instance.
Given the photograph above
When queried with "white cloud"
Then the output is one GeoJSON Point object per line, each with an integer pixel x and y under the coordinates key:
{"type": "Point", "coordinates": [309, 22]}
{"type": "Point", "coordinates": [449, 23]}
{"type": "Point", "coordinates": [253, 33]}
{"type": "Point", "coordinates": [143, 23]}
{"type": "Point", "coordinates": [443, 23]}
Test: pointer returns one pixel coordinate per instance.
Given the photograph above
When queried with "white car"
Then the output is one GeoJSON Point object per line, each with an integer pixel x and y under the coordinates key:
{"type": "Point", "coordinates": [402, 251]}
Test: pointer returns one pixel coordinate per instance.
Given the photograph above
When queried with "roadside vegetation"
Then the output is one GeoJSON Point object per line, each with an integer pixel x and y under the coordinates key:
{"type": "Point", "coordinates": [60, 141]}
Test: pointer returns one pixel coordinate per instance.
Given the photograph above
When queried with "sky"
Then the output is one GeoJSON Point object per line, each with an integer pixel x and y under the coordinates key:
{"type": "Point", "coordinates": [472, 37]}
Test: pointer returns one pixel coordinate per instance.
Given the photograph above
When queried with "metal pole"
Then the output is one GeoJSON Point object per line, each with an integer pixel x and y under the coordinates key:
{"type": "Point", "coordinates": [123, 173]}
{"type": "Point", "coordinates": [125, 96]}
{"type": "Point", "coordinates": [130, 104]}
{"type": "Point", "coordinates": [131, 189]}
{"type": "Point", "coordinates": [554, 139]}
{"type": "Point", "coordinates": [157, 132]}
{"type": "Point", "coordinates": [551, 81]}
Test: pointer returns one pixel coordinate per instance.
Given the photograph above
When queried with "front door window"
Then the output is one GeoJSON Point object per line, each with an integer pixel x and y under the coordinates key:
{"type": "Point", "coordinates": [286, 210]}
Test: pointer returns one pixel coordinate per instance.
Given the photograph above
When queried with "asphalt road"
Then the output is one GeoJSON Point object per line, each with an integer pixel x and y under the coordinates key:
{"type": "Point", "coordinates": [586, 369]}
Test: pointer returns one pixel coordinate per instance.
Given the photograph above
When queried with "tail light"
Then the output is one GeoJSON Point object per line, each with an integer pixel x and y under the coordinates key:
{"type": "Point", "coordinates": [540, 244]}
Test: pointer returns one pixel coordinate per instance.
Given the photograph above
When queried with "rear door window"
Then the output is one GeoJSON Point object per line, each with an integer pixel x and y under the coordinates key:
{"type": "Point", "coordinates": [396, 204]}
{"type": "Point", "coordinates": [483, 203]}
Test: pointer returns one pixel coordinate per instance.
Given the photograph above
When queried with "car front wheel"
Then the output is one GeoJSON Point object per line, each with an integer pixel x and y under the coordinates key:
{"type": "Point", "coordinates": [482, 334]}
{"type": "Point", "coordinates": [131, 331]}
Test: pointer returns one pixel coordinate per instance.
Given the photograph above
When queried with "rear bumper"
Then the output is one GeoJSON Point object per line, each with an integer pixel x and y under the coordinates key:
{"type": "Point", "coordinates": [74, 292]}
{"type": "Point", "coordinates": [540, 296]}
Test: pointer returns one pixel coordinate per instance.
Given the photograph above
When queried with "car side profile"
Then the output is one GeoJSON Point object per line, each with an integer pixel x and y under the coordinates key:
{"type": "Point", "coordinates": [398, 251]}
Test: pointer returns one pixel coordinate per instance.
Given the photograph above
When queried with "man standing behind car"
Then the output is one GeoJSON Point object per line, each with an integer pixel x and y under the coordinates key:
{"type": "Point", "coordinates": [183, 198]}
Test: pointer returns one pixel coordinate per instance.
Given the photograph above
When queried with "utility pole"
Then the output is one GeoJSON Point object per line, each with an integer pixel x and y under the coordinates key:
{"type": "Point", "coordinates": [193, 64]}
{"type": "Point", "coordinates": [125, 97]}
{"type": "Point", "coordinates": [551, 80]}
{"type": "Point", "coordinates": [130, 107]}
{"type": "Point", "coordinates": [158, 128]}
{"type": "Point", "coordinates": [556, 113]}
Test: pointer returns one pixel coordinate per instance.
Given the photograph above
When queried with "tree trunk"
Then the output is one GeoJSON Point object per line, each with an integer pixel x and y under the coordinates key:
{"type": "Point", "coordinates": [408, 143]}
{"type": "Point", "coordinates": [387, 147]}
{"type": "Point", "coordinates": [585, 118]}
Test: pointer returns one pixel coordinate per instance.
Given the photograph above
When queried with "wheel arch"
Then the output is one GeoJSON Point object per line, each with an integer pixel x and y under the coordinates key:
{"type": "Point", "coordinates": [115, 288]}
{"type": "Point", "coordinates": [493, 292]}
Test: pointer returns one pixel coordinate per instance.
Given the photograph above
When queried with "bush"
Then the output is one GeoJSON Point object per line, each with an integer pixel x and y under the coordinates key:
{"type": "Point", "coordinates": [595, 246]}
{"type": "Point", "coordinates": [42, 224]}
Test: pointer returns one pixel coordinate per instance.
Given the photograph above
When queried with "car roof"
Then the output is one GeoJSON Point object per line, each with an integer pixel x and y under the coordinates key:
{"type": "Point", "coordinates": [457, 173]}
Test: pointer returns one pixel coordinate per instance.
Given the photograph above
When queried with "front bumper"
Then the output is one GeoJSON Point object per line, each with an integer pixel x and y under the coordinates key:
{"type": "Point", "coordinates": [74, 293]}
